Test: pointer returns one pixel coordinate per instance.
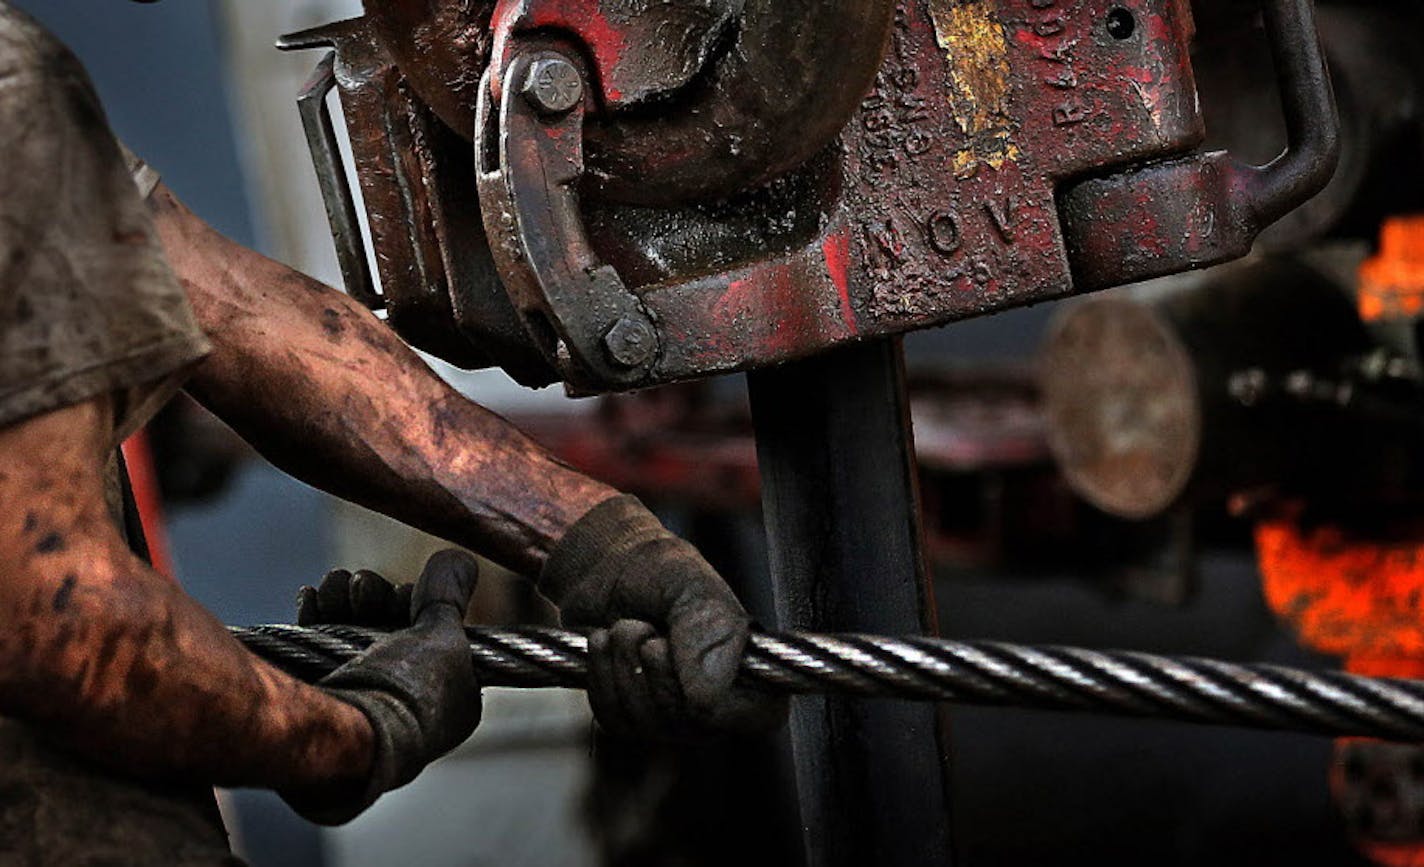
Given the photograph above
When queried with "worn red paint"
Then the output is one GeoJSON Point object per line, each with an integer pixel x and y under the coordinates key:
{"type": "Point", "coordinates": [836, 249]}
{"type": "Point", "coordinates": [761, 297]}
{"type": "Point", "coordinates": [767, 311]}
{"type": "Point", "coordinates": [583, 19]}
{"type": "Point", "coordinates": [932, 247]}
{"type": "Point", "coordinates": [948, 223]}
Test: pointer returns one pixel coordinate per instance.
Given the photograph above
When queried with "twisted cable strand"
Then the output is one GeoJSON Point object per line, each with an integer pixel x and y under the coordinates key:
{"type": "Point", "coordinates": [932, 669]}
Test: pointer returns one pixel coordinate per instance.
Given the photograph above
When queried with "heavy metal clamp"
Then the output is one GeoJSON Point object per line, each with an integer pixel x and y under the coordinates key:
{"type": "Point", "coordinates": [577, 190]}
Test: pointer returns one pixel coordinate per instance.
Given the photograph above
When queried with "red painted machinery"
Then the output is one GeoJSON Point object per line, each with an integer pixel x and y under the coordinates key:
{"type": "Point", "coordinates": [695, 188]}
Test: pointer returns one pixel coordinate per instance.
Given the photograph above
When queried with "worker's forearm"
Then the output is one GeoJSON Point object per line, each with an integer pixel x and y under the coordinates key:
{"type": "Point", "coordinates": [118, 666]}
{"type": "Point", "coordinates": [327, 392]}
{"type": "Point", "coordinates": [116, 662]}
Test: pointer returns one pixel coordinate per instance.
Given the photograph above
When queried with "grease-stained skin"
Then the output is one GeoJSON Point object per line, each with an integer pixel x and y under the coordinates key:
{"type": "Point", "coordinates": [117, 662]}
{"type": "Point", "coordinates": [327, 392]}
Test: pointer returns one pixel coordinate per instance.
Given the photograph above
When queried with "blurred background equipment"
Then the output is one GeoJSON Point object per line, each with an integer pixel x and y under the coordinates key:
{"type": "Point", "coordinates": [1285, 391]}
{"type": "Point", "coordinates": [1311, 467]}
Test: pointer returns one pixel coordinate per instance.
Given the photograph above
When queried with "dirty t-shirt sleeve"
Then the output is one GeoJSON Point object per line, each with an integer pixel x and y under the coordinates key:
{"type": "Point", "coordinates": [88, 304]}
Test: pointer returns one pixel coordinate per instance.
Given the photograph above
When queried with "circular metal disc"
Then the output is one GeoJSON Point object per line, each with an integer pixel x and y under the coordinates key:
{"type": "Point", "coordinates": [1121, 406]}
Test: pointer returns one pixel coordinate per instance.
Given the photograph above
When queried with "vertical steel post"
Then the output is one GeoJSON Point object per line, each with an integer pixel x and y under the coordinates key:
{"type": "Point", "coordinates": [842, 514]}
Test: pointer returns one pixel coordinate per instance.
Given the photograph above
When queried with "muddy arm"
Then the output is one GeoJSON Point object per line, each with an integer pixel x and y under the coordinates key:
{"type": "Point", "coordinates": [331, 395]}
{"type": "Point", "coordinates": [115, 661]}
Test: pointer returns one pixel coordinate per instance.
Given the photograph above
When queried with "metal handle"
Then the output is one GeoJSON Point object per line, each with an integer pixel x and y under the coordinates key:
{"type": "Point", "coordinates": [1312, 120]}
{"type": "Point", "coordinates": [1209, 208]}
{"type": "Point", "coordinates": [336, 193]}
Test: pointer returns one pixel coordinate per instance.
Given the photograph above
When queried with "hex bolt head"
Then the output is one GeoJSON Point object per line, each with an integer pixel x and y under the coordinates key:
{"type": "Point", "coordinates": [553, 85]}
{"type": "Point", "coordinates": [631, 342]}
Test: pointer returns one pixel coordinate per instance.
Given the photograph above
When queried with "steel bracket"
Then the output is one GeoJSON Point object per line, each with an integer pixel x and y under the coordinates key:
{"type": "Point", "coordinates": [529, 158]}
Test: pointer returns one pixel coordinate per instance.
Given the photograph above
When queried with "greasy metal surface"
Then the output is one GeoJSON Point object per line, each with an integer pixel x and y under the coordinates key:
{"type": "Point", "coordinates": [957, 189]}
{"type": "Point", "coordinates": [841, 504]}
{"type": "Point", "coordinates": [441, 47]}
{"type": "Point", "coordinates": [553, 85]}
{"type": "Point", "coordinates": [695, 98]}
{"type": "Point", "coordinates": [394, 142]}
{"type": "Point", "coordinates": [639, 50]}
{"type": "Point", "coordinates": [788, 78]}
{"type": "Point", "coordinates": [948, 174]}
{"type": "Point", "coordinates": [575, 307]}
{"type": "Point", "coordinates": [892, 241]}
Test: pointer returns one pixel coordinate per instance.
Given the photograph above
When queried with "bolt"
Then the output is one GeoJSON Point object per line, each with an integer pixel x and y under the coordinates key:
{"type": "Point", "coordinates": [553, 85]}
{"type": "Point", "coordinates": [631, 342]}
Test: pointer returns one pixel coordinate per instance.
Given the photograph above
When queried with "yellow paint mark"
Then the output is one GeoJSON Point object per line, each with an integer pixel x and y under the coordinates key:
{"type": "Point", "coordinates": [977, 48]}
{"type": "Point", "coordinates": [992, 150]}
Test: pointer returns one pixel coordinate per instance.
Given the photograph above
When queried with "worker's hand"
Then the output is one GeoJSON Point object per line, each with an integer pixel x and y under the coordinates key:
{"type": "Point", "coordinates": [361, 599]}
{"type": "Point", "coordinates": [668, 632]}
{"type": "Point", "coordinates": [416, 686]}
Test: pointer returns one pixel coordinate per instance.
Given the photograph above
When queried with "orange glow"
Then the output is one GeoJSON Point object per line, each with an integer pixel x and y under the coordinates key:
{"type": "Point", "coordinates": [1392, 283]}
{"type": "Point", "coordinates": [1394, 854]}
{"type": "Point", "coordinates": [1348, 596]}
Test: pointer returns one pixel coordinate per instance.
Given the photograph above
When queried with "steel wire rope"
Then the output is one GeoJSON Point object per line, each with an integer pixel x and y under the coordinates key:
{"type": "Point", "coordinates": [932, 669]}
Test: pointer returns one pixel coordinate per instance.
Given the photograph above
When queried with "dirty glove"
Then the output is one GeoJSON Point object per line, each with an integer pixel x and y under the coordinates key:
{"type": "Point", "coordinates": [668, 632]}
{"type": "Point", "coordinates": [360, 599]}
{"type": "Point", "coordinates": [416, 686]}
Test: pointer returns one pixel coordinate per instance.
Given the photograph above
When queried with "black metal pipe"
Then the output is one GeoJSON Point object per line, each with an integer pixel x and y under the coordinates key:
{"type": "Point", "coordinates": [842, 515]}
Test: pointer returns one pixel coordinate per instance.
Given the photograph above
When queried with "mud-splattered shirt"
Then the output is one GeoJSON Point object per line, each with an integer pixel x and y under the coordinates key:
{"type": "Point", "coordinates": [88, 307]}
{"type": "Point", "coordinates": [88, 304]}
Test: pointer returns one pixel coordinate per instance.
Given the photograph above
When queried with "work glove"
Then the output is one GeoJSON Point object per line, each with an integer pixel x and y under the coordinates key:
{"type": "Point", "coordinates": [668, 633]}
{"type": "Point", "coordinates": [416, 686]}
{"type": "Point", "coordinates": [363, 598]}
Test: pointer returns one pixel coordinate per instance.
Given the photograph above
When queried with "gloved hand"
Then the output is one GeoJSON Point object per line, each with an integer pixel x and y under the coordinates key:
{"type": "Point", "coordinates": [416, 686]}
{"type": "Point", "coordinates": [360, 599]}
{"type": "Point", "coordinates": [669, 633]}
